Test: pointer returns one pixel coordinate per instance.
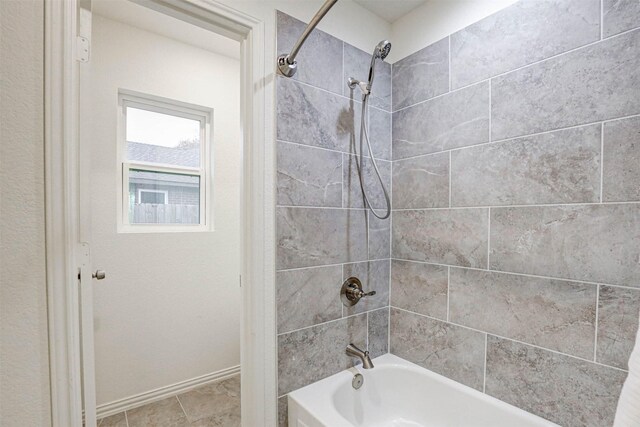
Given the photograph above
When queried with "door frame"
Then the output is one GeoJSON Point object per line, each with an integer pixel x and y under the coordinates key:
{"type": "Point", "coordinates": [64, 245]}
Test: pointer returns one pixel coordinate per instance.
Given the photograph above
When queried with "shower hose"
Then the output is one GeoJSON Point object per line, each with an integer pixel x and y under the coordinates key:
{"type": "Point", "coordinates": [364, 137]}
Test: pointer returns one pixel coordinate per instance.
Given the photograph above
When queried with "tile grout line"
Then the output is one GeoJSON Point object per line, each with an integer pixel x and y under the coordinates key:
{"type": "Point", "coordinates": [489, 239]}
{"type": "Point", "coordinates": [450, 183]}
{"type": "Point", "coordinates": [182, 407]}
{"type": "Point", "coordinates": [521, 274]}
{"type": "Point", "coordinates": [601, 19]}
{"type": "Point", "coordinates": [595, 340]}
{"type": "Point", "coordinates": [448, 290]}
{"type": "Point", "coordinates": [510, 339]}
{"type": "Point", "coordinates": [538, 205]}
{"type": "Point", "coordinates": [449, 70]}
{"type": "Point", "coordinates": [316, 147]}
{"type": "Point", "coordinates": [484, 375]}
{"type": "Point", "coordinates": [490, 110]}
{"type": "Point", "coordinates": [327, 322]}
{"type": "Point", "coordinates": [321, 207]}
{"type": "Point", "coordinates": [340, 95]}
{"type": "Point", "coordinates": [595, 42]}
{"type": "Point", "coordinates": [513, 138]}
{"type": "Point", "coordinates": [601, 162]}
{"type": "Point", "coordinates": [126, 418]}
{"type": "Point", "coordinates": [368, 343]}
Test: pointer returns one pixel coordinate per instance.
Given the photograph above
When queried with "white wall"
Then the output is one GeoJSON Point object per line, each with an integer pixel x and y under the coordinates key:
{"type": "Point", "coordinates": [170, 308]}
{"type": "Point", "coordinates": [24, 359]}
{"type": "Point", "coordinates": [435, 20]}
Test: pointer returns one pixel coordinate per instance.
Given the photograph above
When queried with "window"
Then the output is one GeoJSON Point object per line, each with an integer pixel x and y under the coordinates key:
{"type": "Point", "coordinates": [165, 161]}
{"type": "Point", "coordinates": [157, 197]}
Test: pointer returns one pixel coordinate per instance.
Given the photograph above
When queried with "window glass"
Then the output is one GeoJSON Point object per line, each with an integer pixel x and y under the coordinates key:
{"type": "Point", "coordinates": [162, 138]}
{"type": "Point", "coordinates": [163, 198]}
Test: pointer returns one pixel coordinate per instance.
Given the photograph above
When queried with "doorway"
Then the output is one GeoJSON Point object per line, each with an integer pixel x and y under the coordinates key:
{"type": "Point", "coordinates": [68, 243]}
{"type": "Point", "coordinates": [160, 127]}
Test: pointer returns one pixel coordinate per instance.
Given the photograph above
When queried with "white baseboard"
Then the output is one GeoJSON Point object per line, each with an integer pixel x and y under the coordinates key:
{"type": "Point", "coordinates": [141, 399]}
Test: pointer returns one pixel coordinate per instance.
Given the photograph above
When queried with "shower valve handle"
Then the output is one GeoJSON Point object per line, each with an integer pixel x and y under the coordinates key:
{"type": "Point", "coordinates": [352, 292]}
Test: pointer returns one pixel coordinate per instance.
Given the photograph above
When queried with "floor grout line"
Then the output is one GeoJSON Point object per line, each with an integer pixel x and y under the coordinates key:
{"type": "Point", "coordinates": [182, 407]}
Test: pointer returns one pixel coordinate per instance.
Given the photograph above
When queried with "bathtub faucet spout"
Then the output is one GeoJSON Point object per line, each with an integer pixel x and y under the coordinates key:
{"type": "Point", "coordinates": [354, 351]}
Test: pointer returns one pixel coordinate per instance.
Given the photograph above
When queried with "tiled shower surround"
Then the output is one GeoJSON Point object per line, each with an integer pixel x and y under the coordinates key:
{"type": "Point", "coordinates": [324, 233]}
{"type": "Point", "coordinates": [515, 237]}
{"type": "Point", "coordinates": [516, 223]}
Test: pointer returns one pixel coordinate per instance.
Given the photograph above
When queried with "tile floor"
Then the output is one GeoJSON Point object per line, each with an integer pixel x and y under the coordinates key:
{"type": "Point", "coordinates": [212, 405]}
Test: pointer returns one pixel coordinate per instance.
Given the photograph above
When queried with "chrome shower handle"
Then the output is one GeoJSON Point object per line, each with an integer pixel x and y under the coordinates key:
{"type": "Point", "coordinates": [362, 294]}
{"type": "Point", "coordinates": [352, 292]}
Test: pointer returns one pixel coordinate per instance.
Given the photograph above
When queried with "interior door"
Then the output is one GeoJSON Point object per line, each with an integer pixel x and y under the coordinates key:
{"type": "Point", "coordinates": [88, 275]}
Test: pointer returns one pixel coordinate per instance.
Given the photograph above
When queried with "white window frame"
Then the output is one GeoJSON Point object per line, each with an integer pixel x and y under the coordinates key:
{"type": "Point", "coordinates": [149, 190]}
{"type": "Point", "coordinates": [204, 115]}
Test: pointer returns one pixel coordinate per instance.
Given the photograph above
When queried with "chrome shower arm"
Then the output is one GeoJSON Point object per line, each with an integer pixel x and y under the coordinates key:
{"type": "Point", "coordinates": [287, 63]}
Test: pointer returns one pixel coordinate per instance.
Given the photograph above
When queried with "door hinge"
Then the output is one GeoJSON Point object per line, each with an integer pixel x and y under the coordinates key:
{"type": "Point", "coordinates": [83, 49]}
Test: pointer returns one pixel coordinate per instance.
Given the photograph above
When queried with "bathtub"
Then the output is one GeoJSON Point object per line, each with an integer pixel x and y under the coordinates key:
{"type": "Point", "coordinates": [397, 393]}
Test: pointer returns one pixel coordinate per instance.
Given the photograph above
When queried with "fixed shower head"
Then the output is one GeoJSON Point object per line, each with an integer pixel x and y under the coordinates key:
{"type": "Point", "coordinates": [382, 49]}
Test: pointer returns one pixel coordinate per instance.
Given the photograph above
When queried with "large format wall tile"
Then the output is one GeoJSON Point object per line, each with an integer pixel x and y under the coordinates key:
{"type": "Point", "coordinates": [454, 120]}
{"type": "Point", "coordinates": [311, 236]}
{"type": "Point", "coordinates": [419, 287]}
{"type": "Point", "coordinates": [320, 61]}
{"type": "Point", "coordinates": [621, 159]}
{"type": "Point", "coordinates": [597, 82]}
{"type": "Point", "coordinates": [352, 196]}
{"type": "Point", "coordinates": [598, 243]}
{"type": "Point", "coordinates": [310, 116]}
{"type": "Point", "coordinates": [421, 75]}
{"type": "Point", "coordinates": [618, 313]}
{"type": "Point", "coordinates": [374, 276]}
{"type": "Point", "coordinates": [308, 296]}
{"type": "Point", "coordinates": [379, 134]}
{"type": "Point", "coordinates": [443, 236]}
{"type": "Point", "coordinates": [356, 65]}
{"type": "Point", "coordinates": [554, 314]}
{"type": "Point", "coordinates": [311, 354]}
{"type": "Point", "coordinates": [308, 176]}
{"type": "Point", "coordinates": [565, 390]}
{"type": "Point", "coordinates": [556, 167]}
{"type": "Point", "coordinates": [620, 15]}
{"type": "Point", "coordinates": [449, 350]}
{"type": "Point", "coordinates": [379, 237]}
{"type": "Point", "coordinates": [421, 182]}
{"type": "Point", "coordinates": [378, 332]}
{"type": "Point", "coordinates": [528, 31]}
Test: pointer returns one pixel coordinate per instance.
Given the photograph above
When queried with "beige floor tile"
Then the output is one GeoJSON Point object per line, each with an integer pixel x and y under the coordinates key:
{"type": "Point", "coordinates": [164, 413]}
{"type": "Point", "coordinates": [213, 405]}
{"type": "Point", "coordinates": [117, 420]}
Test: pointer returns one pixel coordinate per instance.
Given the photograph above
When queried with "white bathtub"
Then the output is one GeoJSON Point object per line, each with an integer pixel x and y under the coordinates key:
{"type": "Point", "coordinates": [397, 393]}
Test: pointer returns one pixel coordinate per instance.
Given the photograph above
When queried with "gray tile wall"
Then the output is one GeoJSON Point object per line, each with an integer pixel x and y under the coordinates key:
{"type": "Point", "coordinates": [324, 234]}
{"type": "Point", "coordinates": [516, 196]}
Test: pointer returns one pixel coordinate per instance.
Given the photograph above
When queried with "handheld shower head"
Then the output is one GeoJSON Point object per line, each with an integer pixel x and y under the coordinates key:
{"type": "Point", "coordinates": [382, 49]}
